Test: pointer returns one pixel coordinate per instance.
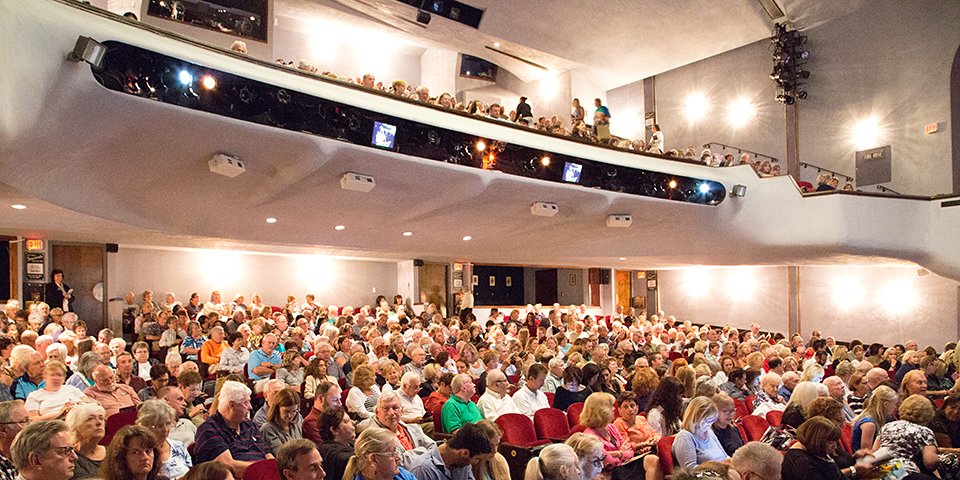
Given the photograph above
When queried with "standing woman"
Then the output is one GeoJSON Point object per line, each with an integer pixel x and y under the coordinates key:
{"type": "Point", "coordinates": [131, 455]}
{"type": "Point", "coordinates": [159, 417]}
{"type": "Point", "coordinates": [59, 294]}
{"type": "Point", "coordinates": [376, 458]}
{"type": "Point", "coordinates": [577, 112]}
{"type": "Point", "coordinates": [281, 425]}
{"type": "Point", "coordinates": [87, 424]}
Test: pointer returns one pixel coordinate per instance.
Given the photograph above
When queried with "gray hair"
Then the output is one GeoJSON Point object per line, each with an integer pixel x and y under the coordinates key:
{"type": "Point", "coordinates": [70, 314]}
{"type": "Point", "coordinates": [173, 357]}
{"type": "Point", "coordinates": [235, 392]}
{"type": "Point", "coordinates": [409, 376]}
{"type": "Point", "coordinates": [21, 355]}
{"type": "Point", "coordinates": [58, 347]}
{"type": "Point", "coordinates": [80, 414]}
{"type": "Point", "coordinates": [758, 458]}
{"type": "Point", "coordinates": [493, 376]}
{"type": "Point", "coordinates": [118, 340]}
{"type": "Point", "coordinates": [218, 328]}
{"type": "Point", "coordinates": [457, 384]}
{"type": "Point", "coordinates": [34, 438]}
{"type": "Point", "coordinates": [88, 361]}
{"type": "Point", "coordinates": [554, 363]}
{"type": "Point", "coordinates": [157, 412]}
{"type": "Point", "coordinates": [387, 396]}
{"type": "Point", "coordinates": [7, 408]}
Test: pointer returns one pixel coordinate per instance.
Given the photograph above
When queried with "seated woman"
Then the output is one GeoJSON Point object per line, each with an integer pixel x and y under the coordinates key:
{"type": "Point", "coordinates": [132, 455]}
{"type": "Point", "coordinates": [664, 410]}
{"type": "Point", "coordinates": [87, 422]}
{"type": "Point", "coordinates": [634, 427]}
{"type": "Point", "coordinates": [556, 462]}
{"type": "Point", "coordinates": [571, 391]}
{"type": "Point", "coordinates": [235, 356]}
{"type": "Point", "coordinates": [281, 425]}
{"type": "Point", "coordinates": [696, 443]}
{"type": "Point", "coordinates": [910, 442]}
{"type": "Point", "coordinates": [946, 423]}
{"type": "Point", "coordinates": [291, 368]}
{"type": "Point", "coordinates": [831, 409]}
{"type": "Point", "coordinates": [859, 392]}
{"type": "Point", "coordinates": [158, 417]}
{"type": "Point", "coordinates": [337, 434]}
{"type": "Point", "coordinates": [727, 433]}
{"type": "Point", "coordinates": [879, 407]}
{"type": "Point", "coordinates": [493, 467]}
{"type": "Point", "coordinates": [809, 457]}
{"type": "Point", "coordinates": [55, 400]}
{"type": "Point", "coordinates": [375, 457]}
{"type": "Point", "coordinates": [597, 416]}
{"type": "Point", "coordinates": [589, 450]}
{"type": "Point", "coordinates": [796, 412]}
{"type": "Point", "coordinates": [362, 398]}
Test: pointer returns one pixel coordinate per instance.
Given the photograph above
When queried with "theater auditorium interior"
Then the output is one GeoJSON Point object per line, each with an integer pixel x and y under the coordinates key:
{"type": "Point", "coordinates": [788, 163]}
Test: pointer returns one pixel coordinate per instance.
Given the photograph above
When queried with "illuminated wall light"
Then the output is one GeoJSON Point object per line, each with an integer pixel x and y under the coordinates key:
{"type": "Point", "coordinates": [185, 77]}
{"type": "Point", "coordinates": [673, 184]}
{"type": "Point", "coordinates": [742, 286]}
{"type": "Point", "coordinates": [339, 227]}
{"type": "Point", "coordinates": [271, 220]}
{"type": "Point", "coordinates": [481, 146]}
{"type": "Point", "coordinates": [545, 161]}
{"type": "Point", "coordinates": [407, 234]}
{"type": "Point", "coordinates": [696, 281]}
{"type": "Point", "coordinates": [696, 106]}
{"type": "Point", "coordinates": [846, 293]}
{"type": "Point", "coordinates": [549, 85]}
{"type": "Point", "coordinates": [209, 82]}
{"type": "Point", "coordinates": [740, 112]}
{"type": "Point", "coordinates": [221, 267]}
{"type": "Point", "coordinates": [19, 207]}
{"type": "Point", "coordinates": [467, 238]}
{"type": "Point", "coordinates": [316, 272]}
{"type": "Point", "coordinates": [867, 134]}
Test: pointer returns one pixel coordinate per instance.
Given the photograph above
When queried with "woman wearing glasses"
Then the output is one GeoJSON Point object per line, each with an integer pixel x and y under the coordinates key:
{"type": "Point", "coordinates": [590, 451]}
{"type": "Point", "coordinates": [376, 458]}
{"type": "Point", "coordinates": [281, 425]}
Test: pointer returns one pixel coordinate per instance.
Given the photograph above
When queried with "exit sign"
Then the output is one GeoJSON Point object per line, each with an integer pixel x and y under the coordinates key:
{"type": "Point", "coordinates": [33, 245]}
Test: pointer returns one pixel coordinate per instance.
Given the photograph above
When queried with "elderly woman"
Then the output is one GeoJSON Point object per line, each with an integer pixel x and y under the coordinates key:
{"type": "Point", "coordinates": [82, 379]}
{"type": "Point", "coordinates": [159, 417]}
{"type": "Point", "coordinates": [56, 399]}
{"type": "Point", "coordinates": [390, 370]}
{"type": "Point", "coordinates": [376, 458]}
{"type": "Point", "coordinates": [911, 361]}
{"type": "Point", "coordinates": [696, 443]}
{"type": "Point", "coordinates": [590, 452]}
{"type": "Point", "coordinates": [597, 416]}
{"type": "Point", "coordinates": [291, 368]}
{"type": "Point", "coordinates": [878, 408]}
{"type": "Point", "coordinates": [337, 434]}
{"type": "Point", "coordinates": [87, 422]}
{"type": "Point", "coordinates": [281, 425]}
{"type": "Point", "coordinates": [634, 427]}
{"type": "Point", "coordinates": [132, 455]}
{"type": "Point", "coordinates": [235, 357]}
{"type": "Point", "coordinates": [801, 398]}
{"type": "Point", "coordinates": [946, 423]}
{"type": "Point", "coordinates": [555, 462]}
{"type": "Point", "coordinates": [909, 440]}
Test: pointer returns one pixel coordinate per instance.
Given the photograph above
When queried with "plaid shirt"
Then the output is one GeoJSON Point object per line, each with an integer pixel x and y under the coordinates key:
{"type": "Point", "coordinates": [7, 470]}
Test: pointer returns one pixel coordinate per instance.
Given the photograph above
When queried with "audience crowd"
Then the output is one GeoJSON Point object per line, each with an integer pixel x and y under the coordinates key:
{"type": "Point", "coordinates": [211, 389]}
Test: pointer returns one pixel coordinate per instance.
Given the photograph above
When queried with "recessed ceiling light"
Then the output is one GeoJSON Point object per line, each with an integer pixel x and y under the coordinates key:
{"type": "Point", "coordinates": [19, 207]}
{"type": "Point", "coordinates": [271, 220]}
{"type": "Point", "coordinates": [468, 237]}
{"type": "Point", "coordinates": [339, 227]}
{"type": "Point", "coordinates": [623, 258]}
{"type": "Point", "coordinates": [496, 44]}
{"type": "Point", "coordinates": [407, 234]}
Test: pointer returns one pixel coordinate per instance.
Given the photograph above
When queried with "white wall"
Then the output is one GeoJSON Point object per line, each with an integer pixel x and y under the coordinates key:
{"type": "Point", "coordinates": [438, 71]}
{"type": "Point", "coordinates": [333, 281]}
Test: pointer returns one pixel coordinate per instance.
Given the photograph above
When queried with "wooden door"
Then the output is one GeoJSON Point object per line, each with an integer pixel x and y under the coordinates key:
{"type": "Point", "coordinates": [623, 288]}
{"type": "Point", "coordinates": [83, 269]}
{"type": "Point", "coordinates": [547, 286]}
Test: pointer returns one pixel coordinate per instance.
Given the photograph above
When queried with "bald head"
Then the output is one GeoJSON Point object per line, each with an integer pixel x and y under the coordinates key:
{"type": "Point", "coordinates": [875, 376]}
{"type": "Point", "coordinates": [790, 380]}
{"type": "Point", "coordinates": [834, 387]}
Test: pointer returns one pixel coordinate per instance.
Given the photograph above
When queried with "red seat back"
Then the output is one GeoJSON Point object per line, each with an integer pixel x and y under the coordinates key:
{"type": "Point", "coordinates": [263, 470]}
{"type": "Point", "coordinates": [755, 426]}
{"type": "Point", "coordinates": [518, 430]}
{"type": "Point", "coordinates": [665, 452]}
{"type": "Point", "coordinates": [741, 408]}
{"type": "Point", "coordinates": [343, 397]}
{"type": "Point", "coordinates": [750, 402]}
{"type": "Point", "coordinates": [774, 417]}
{"type": "Point", "coordinates": [437, 422]}
{"type": "Point", "coordinates": [806, 186]}
{"type": "Point", "coordinates": [573, 414]}
{"type": "Point", "coordinates": [846, 438]}
{"type": "Point", "coordinates": [551, 423]}
{"type": "Point", "coordinates": [550, 398]}
{"type": "Point", "coordinates": [513, 379]}
{"type": "Point", "coordinates": [115, 422]}
{"type": "Point", "coordinates": [938, 402]}
{"type": "Point", "coordinates": [743, 433]}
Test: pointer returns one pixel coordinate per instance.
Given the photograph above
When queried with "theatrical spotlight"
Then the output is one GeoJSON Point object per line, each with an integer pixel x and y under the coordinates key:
{"type": "Point", "coordinates": [789, 57]}
{"type": "Point", "coordinates": [88, 50]}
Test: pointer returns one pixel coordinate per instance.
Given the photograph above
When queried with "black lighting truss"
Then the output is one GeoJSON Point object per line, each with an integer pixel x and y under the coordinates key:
{"type": "Point", "coordinates": [789, 58]}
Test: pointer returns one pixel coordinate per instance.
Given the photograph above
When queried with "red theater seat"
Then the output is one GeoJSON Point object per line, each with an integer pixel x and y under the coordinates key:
{"type": "Point", "coordinates": [573, 414]}
{"type": "Point", "coordinates": [741, 407]}
{"type": "Point", "coordinates": [551, 424]}
{"type": "Point", "coordinates": [755, 427]}
{"type": "Point", "coordinates": [774, 417]}
{"type": "Point", "coordinates": [263, 470]}
{"type": "Point", "coordinates": [518, 430]}
{"type": "Point", "coordinates": [665, 452]}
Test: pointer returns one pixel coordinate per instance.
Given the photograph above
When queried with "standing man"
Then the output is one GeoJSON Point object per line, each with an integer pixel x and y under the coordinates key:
{"type": "Point", "coordinates": [13, 417]}
{"type": "Point", "coordinates": [656, 140]}
{"type": "Point", "coordinates": [59, 294]}
{"type": "Point", "coordinates": [524, 112]}
{"type": "Point", "coordinates": [601, 120]}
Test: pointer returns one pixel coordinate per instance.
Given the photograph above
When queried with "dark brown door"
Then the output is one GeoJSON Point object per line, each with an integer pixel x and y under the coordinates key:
{"type": "Point", "coordinates": [547, 286]}
{"type": "Point", "coordinates": [82, 267]}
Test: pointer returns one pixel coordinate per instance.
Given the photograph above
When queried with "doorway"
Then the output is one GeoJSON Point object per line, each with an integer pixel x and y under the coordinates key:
{"type": "Point", "coordinates": [623, 288]}
{"type": "Point", "coordinates": [84, 268]}
{"type": "Point", "coordinates": [546, 286]}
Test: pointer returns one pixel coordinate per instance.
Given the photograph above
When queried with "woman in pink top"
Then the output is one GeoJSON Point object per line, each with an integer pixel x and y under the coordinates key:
{"type": "Point", "coordinates": [634, 427]}
{"type": "Point", "coordinates": [597, 416]}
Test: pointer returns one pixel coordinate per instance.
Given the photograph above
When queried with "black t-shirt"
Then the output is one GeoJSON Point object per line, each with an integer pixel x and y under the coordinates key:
{"type": "Point", "coordinates": [801, 465]}
{"type": "Point", "coordinates": [729, 437]}
{"type": "Point", "coordinates": [940, 424]}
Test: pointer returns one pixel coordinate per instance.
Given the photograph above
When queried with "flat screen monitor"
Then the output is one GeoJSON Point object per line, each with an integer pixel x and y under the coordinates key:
{"type": "Point", "coordinates": [571, 172]}
{"type": "Point", "coordinates": [383, 134]}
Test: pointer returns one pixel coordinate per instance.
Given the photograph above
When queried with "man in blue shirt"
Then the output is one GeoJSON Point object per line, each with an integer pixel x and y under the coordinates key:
{"type": "Point", "coordinates": [32, 380]}
{"type": "Point", "coordinates": [228, 436]}
{"type": "Point", "coordinates": [453, 459]}
{"type": "Point", "coordinates": [263, 362]}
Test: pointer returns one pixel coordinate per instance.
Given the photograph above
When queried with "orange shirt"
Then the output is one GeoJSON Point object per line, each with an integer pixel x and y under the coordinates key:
{"type": "Point", "coordinates": [210, 352]}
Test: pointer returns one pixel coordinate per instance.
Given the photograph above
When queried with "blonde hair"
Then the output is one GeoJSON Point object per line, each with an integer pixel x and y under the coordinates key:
{"type": "Point", "coordinates": [372, 440]}
{"type": "Point", "coordinates": [917, 409]}
{"type": "Point", "coordinates": [550, 462]}
{"type": "Point", "coordinates": [803, 395]}
{"type": "Point", "coordinates": [587, 447]}
{"type": "Point", "coordinates": [811, 372]}
{"type": "Point", "coordinates": [364, 377]}
{"type": "Point", "coordinates": [688, 377]}
{"type": "Point", "coordinates": [907, 379]}
{"type": "Point", "coordinates": [698, 409]}
{"type": "Point", "coordinates": [597, 410]}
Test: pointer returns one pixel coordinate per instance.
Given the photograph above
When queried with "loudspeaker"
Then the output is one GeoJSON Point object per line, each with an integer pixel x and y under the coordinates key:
{"type": "Point", "coordinates": [417, 262]}
{"type": "Point", "coordinates": [113, 248]}
{"type": "Point", "coordinates": [423, 17]}
{"type": "Point", "coordinates": [604, 277]}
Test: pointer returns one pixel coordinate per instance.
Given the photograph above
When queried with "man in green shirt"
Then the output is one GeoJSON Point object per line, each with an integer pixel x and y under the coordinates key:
{"type": "Point", "coordinates": [459, 410]}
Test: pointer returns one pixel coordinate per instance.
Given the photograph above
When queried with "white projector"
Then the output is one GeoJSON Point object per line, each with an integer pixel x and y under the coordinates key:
{"type": "Point", "coordinates": [226, 165]}
{"type": "Point", "coordinates": [357, 182]}
{"type": "Point", "coordinates": [544, 209]}
{"type": "Point", "coordinates": [620, 221]}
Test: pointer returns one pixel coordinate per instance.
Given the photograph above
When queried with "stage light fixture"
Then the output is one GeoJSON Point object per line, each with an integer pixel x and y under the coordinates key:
{"type": "Point", "coordinates": [704, 188]}
{"type": "Point", "coordinates": [545, 161]}
{"type": "Point", "coordinates": [209, 82]}
{"type": "Point", "coordinates": [673, 184]}
{"type": "Point", "coordinates": [185, 77]}
{"type": "Point", "coordinates": [481, 146]}
{"type": "Point", "coordinates": [88, 50]}
{"type": "Point", "coordinates": [738, 191]}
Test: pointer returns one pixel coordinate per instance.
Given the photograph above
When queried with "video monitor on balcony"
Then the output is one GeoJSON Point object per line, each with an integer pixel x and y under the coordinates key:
{"type": "Point", "coordinates": [383, 135]}
{"type": "Point", "coordinates": [571, 172]}
{"type": "Point", "coordinates": [243, 18]}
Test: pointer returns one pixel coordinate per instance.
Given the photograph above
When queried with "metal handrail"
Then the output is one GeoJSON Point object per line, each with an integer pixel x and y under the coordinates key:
{"type": "Point", "coordinates": [822, 169]}
{"type": "Point", "coordinates": [885, 189]}
{"type": "Point", "coordinates": [741, 150]}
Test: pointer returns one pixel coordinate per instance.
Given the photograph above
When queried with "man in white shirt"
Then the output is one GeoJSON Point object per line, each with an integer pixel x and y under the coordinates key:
{"type": "Point", "coordinates": [413, 411]}
{"type": "Point", "coordinates": [529, 398]}
{"type": "Point", "coordinates": [555, 377]}
{"type": "Point", "coordinates": [495, 401]}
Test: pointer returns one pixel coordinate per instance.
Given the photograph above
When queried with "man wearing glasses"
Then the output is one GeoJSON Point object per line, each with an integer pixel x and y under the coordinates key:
{"type": "Point", "coordinates": [43, 451]}
{"type": "Point", "coordinates": [13, 417]}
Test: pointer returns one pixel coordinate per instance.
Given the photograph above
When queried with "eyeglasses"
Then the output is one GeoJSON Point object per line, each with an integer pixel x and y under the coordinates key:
{"type": "Point", "coordinates": [63, 451]}
{"type": "Point", "coordinates": [597, 462]}
{"type": "Point", "coordinates": [21, 422]}
{"type": "Point", "coordinates": [393, 455]}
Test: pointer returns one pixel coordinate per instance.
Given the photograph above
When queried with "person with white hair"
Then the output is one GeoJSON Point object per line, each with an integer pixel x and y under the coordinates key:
{"type": "Point", "coordinates": [757, 461]}
{"type": "Point", "coordinates": [554, 375]}
{"type": "Point", "coordinates": [87, 422]}
{"type": "Point", "coordinates": [413, 409]}
{"type": "Point", "coordinates": [228, 436]}
{"type": "Point", "coordinates": [495, 401]}
{"type": "Point", "coordinates": [767, 398]}
{"type": "Point", "coordinates": [388, 411]}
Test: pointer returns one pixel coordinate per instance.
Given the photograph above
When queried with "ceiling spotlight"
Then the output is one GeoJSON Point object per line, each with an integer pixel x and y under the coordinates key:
{"type": "Point", "coordinates": [271, 220]}
{"type": "Point", "coordinates": [496, 44]}
{"type": "Point", "coordinates": [481, 146]}
{"type": "Point", "coordinates": [673, 184]}
{"type": "Point", "coordinates": [467, 238]}
{"type": "Point", "coordinates": [407, 234]}
{"type": "Point", "coordinates": [19, 207]}
{"type": "Point", "coordinates": [339, 227]}
{"type": "Point", "coordinates": [704, 188]}
{"type": "Point", "coordinates": [185, 77]}
{"type": "Point", "coordinates": [545, 161]}
{"type": "Point", "coordinates": [209, 82]}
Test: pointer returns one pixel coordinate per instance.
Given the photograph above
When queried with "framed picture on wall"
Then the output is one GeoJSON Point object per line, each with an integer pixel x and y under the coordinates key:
{"type": "Point", "coordinates": [476, 281]}
{"type": "Point", "coordinates": [508, 282]}
{"type": "Point", "coordinates": [493, 281]}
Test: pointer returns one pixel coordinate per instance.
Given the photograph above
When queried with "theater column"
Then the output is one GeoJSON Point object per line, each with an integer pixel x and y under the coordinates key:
{"type": "Point", "coordinates": [793, 279]}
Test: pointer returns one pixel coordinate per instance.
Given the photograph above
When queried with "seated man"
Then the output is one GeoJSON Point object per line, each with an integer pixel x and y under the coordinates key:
{"type": "Point", "coordinates": [112, 396]}
{"type": "Point", "coordinates": [453, 459]}
{"type": "Point", "coordinates": [300, 460]}
{"type": "Point", "coordinates": [212, 349]}
{"type": "Point", "coordinates": [495, 401]}
{"type": "Point", "coordinates": [790, 381]}
{"type": "Point", "coordinates": [757, 461]}
{"type": "Point", "coordinates": [228, 437]}
{"type": "Point", "coordinates": [767, 398]}
{"type": "Point", "coordinates": [328, 396]}
{"type": "Point", "coordinates": [413, 411]}
{"type": "Point", "coordinates": [263, 362]}
{"type": "Point", "coordinates": [44, 451]}
{"type": "Point", "coordinates": [411, 441]}
{"type": "Point", "coordinates": [529, 398]}
{"type": "Point", "coordinates": [125, 371]}
{"type": "Point", "coordinates": [459, 409]}
{"type": "Point", "coordinates": [32, 379]}
{"type": "Point", "coordinates": [184, 430]}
